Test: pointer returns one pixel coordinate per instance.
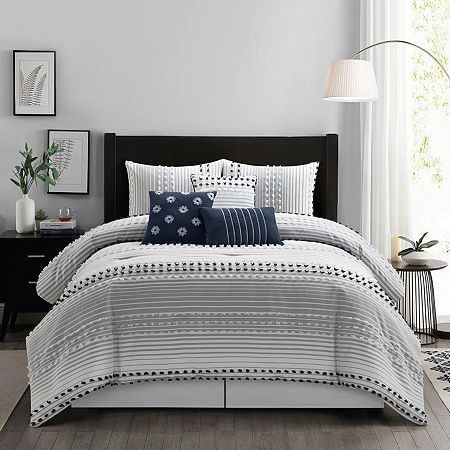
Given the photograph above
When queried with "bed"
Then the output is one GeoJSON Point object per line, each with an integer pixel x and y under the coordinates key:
{"type": "Point", "coordinates": [311, 324]}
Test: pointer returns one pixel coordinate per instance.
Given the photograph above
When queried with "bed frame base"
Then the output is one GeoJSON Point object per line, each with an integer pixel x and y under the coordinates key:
{"type": "Point", "coordinates": [228, 394]}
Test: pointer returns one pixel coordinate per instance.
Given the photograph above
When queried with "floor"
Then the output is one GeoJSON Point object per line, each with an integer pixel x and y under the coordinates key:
{"type": "Point", "coordinates": [210, 429]}
{"type": "Point", "coordinates": [13, 381]}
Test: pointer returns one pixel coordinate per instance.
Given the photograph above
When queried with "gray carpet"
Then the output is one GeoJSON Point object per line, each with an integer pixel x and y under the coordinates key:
{"type": "Point", "coordinates": [13, 381]}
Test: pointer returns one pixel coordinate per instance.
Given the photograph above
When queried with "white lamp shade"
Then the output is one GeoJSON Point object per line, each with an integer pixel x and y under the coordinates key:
{"type": "Point", "coordinates": [351, 80]}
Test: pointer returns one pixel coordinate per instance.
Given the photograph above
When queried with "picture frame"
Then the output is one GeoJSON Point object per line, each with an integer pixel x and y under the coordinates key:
{"type": "Point", "coordinates": [34, 83]}
{"type": "Point", "coordinates": [72, 162]}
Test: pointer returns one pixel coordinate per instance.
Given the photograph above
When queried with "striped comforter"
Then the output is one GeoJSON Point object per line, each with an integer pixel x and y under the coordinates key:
{"type": "Point", "coordinates": [320, 309]}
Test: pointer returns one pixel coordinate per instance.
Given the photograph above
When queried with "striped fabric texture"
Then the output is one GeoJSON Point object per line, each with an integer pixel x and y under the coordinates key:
{"type": "Point", "coordinates": [232, 192]}
{"type": "Point", "coordinates": [240, 226]}
{"type": "Point", "coordinates": [307, 311]}
{"type": "Point", "coordinates": [287, 188]}
{"type": "Point", "coordinates": [304, 228]}
{"type": "Point", "coordinates": [56, 276]}
{"type": "Point", "coordinates": [143, 178]}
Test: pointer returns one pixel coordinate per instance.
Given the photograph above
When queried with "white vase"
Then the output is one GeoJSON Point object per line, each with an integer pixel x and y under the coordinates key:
{"type": "Point", "coordinates": [417, 258]}
{"type": "Point", "coordinates": [25, 211]}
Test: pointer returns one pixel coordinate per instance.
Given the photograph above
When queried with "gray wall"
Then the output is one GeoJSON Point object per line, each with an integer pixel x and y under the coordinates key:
{"type": "Point", "coordinates": [198, 67]}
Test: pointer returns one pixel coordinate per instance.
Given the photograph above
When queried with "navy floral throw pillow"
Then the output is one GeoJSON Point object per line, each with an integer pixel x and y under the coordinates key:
{"type": "Point", "coordinates": [175, 217]}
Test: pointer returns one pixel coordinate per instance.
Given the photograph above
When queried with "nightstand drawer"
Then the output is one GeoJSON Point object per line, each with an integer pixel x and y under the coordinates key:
{"type": "Point", "coordinates": [33, 267]}
{"type": "Point", "coordinates": [32, 251]}
{"type": "Point", "coordinates": [30, 261]}
{"type": "Point", "coordinates": [28, 300]}
{"type": "Point", "coordinates": [21, 292]}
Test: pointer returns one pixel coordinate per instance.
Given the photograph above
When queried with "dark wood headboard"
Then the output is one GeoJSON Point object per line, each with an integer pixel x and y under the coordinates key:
{"type": "Point", "coordinates": [189, 150]}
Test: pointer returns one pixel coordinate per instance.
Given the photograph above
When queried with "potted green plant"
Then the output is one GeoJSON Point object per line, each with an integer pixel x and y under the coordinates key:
{"type": "Point", "coordinates": [27, 173]}
{"type": "Point", "coordinates": [416, 255]}
{"type": "Point", "coordinates": [39, 217]}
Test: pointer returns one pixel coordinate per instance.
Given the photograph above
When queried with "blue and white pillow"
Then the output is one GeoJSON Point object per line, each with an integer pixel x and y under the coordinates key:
{"type": "Point", "coordinates": [175, 217]}
{"type": "Point", "coordinates": [241, 226]}
{"type": "Point", "coordinates": [232, 192]}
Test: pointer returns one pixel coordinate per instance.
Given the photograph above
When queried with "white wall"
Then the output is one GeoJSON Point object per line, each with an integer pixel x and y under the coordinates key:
{"type": "Point", "coordinates": [198, 67]}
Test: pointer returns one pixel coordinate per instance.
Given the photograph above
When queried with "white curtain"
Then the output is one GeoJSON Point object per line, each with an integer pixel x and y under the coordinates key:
{"type": "Point", "coordinates": [385, 135]}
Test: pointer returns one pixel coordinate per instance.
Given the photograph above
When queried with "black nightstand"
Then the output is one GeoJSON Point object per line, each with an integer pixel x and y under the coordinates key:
{"type": "Point", "coordinates": [23, 256]}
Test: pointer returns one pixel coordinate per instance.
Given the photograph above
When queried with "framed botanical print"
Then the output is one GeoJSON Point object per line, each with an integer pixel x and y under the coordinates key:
{"type": "Point", "coordinates": [34, 83]}
{"type": "Point", "coordinates": [72, 161]}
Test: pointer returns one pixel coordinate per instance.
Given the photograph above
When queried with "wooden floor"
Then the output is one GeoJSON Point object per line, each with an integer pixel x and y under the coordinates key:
{"type": "Point", "coordinates": [210, 429]}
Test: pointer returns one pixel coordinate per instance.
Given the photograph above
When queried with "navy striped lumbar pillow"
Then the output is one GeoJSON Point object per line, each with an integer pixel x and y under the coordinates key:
{"type": "Point", "coordinates": [240, 226]}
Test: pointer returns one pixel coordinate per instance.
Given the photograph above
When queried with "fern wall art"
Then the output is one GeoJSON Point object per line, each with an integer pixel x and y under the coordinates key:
{"type": "Point", "coordinates": [34, 83]}
{"type": "Point", "coordinates": [72, 162]}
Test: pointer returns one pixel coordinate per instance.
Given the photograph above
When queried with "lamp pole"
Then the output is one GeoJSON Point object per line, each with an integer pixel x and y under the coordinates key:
{"type": "Point", "coordinates": [399, 41]}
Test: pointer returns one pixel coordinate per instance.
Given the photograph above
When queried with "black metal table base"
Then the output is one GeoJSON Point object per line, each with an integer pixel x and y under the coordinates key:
{"type": "Point", "coordinates": [418, 306]}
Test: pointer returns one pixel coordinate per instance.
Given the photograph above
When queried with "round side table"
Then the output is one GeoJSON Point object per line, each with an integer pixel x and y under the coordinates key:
{"type": "Point", "coordinates": [418, 306]}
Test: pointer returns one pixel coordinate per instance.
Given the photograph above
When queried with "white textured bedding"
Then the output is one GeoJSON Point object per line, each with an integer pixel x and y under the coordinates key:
{"type": "Point", "coordinates": [321, 308]}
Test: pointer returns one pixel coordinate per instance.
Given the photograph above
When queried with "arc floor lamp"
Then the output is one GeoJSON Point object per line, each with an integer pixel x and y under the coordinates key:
{"type": "Point", "coordinates": [353, 80]}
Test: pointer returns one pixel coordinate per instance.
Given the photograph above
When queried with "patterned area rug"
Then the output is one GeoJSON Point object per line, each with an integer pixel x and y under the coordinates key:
{"type": "Point", "coordinates": [436, 363]}
{"type": "Point", "coordinates": [13, 380]}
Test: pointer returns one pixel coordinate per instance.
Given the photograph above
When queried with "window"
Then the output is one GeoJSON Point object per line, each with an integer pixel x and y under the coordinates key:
{"type": "Point", "coordinates": [430, 116]}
